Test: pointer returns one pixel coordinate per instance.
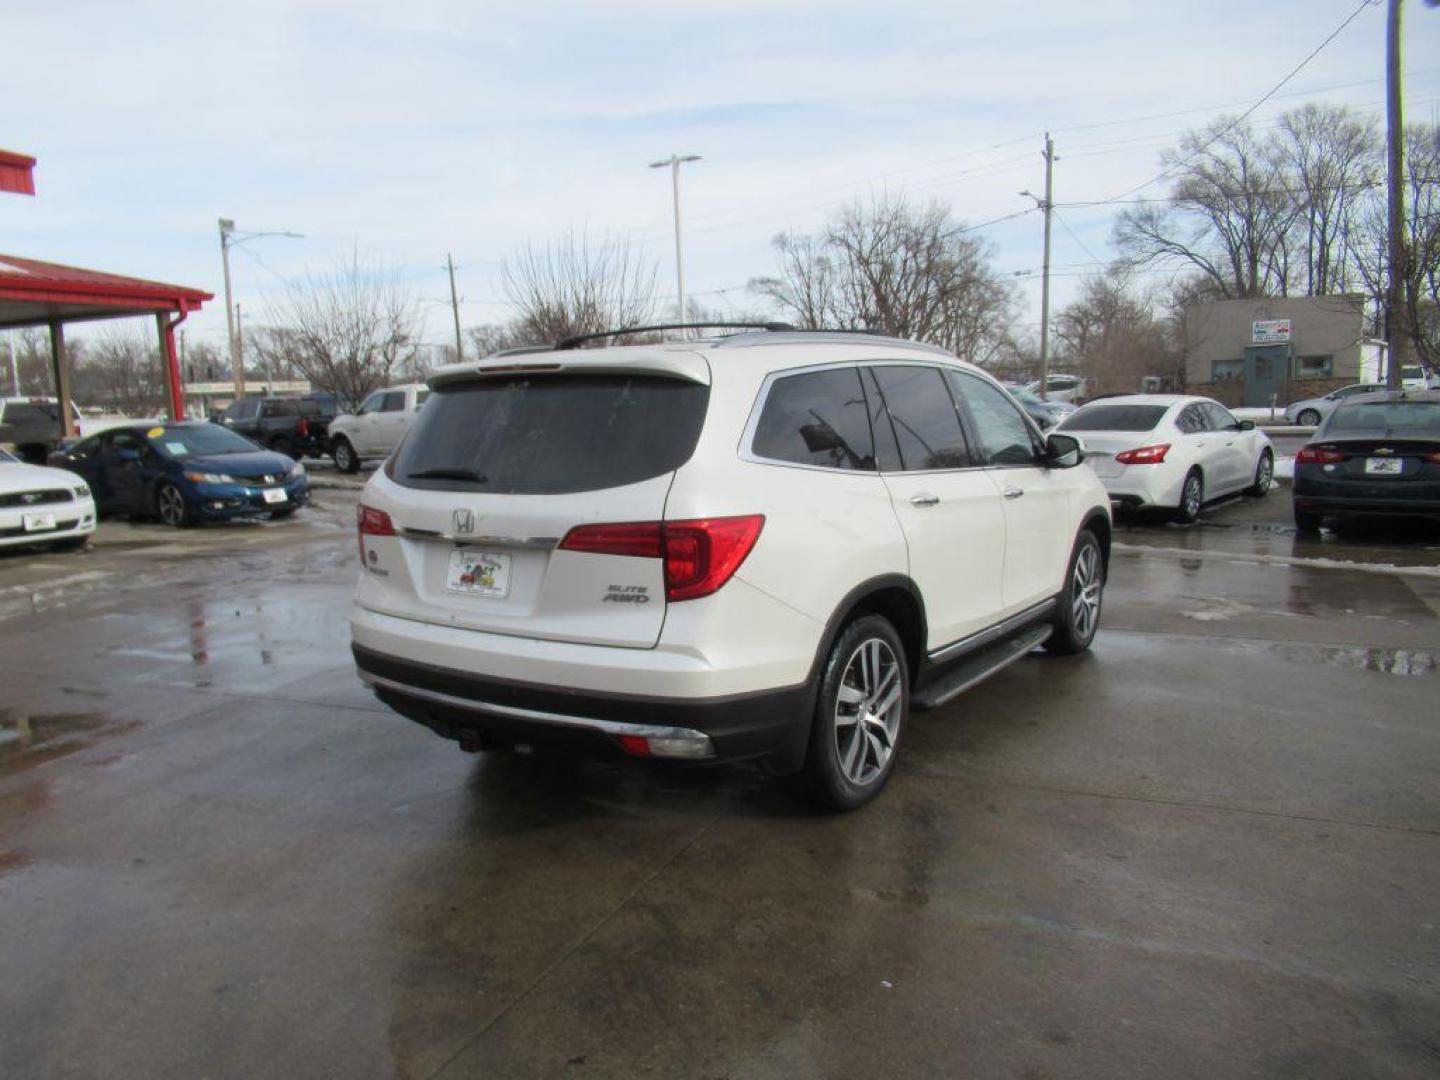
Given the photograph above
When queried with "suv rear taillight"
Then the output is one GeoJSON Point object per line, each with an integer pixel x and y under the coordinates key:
{"type": "Point", "coordinates": [303, 427]}
{"type": "Point", "coordinates": [700, 555]}
{"type": "Point", "coordinates": [1144, 455]}
{"type": "Point", "coordinates": [372, 522]}
{"type": "Point", "coordinates": [1318, 455]}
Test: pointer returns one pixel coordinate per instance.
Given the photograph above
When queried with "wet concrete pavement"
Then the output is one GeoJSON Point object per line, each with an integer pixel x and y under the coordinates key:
{"type": "Point", "coordinates": [1209, 848]}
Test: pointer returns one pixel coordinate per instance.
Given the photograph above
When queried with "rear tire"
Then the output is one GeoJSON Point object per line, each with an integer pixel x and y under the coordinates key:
{"type": "Point", "coordinates": [860, 713]}
{"type": "Point", "coordinates": [1264, 475]}
{"type": "Point", "coordinates": [1192, 498]}
{"type": "Point", "coordinates": [1078, 615]}
{"type": "Point", "coordinates": [71, 543]}
{"type": "Point", "coordinates": [1307, 522]}
{"type": "Point", "coordinates": [1308, 418]}
{"type": "Point", "coordinates": [346, 460]}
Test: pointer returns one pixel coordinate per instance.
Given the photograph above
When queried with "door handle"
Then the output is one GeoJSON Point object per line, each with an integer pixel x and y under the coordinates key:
{"type": "Point", "coordinates": [1012, 493]}
{"type": "Point", "coordinates": [924, 500]}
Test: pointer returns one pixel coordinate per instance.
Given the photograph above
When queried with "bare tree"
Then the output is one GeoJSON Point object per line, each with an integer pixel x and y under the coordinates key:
{"type": "Point", "coordinates": [1229, 217]}
{"type": "Point", "coordinates": [577, 286]}
{"type": "Point", "coordinates": [346, 330]}
{"type": "Point", "coordinates": [120, 369]}
{"type": "Point", "coordinates": [912, 271]}
{"type": "Point", "coordinates": [1112, 335]}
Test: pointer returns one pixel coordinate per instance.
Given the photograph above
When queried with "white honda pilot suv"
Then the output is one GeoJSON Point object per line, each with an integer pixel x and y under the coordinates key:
{"type": "Point", "coordinates": [766, 546]}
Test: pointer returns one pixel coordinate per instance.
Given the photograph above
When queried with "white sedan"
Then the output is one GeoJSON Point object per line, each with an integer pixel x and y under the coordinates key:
{"type": "Point", "coordinates": [1171, 452]}
{"type": "Point", "coordinates": [39, 505]}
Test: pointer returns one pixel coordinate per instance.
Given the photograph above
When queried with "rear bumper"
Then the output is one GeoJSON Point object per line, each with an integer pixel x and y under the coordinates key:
{"type": "Point", "coordinates": [1404, 498]}
{"type": "Point", "coordinates": [217, 501]}
{"type": "Point", "coordinates": [1337, 507]}
{"type": "Point", "coordinates": [1143, 486]}
{"type": "Point", "coordinates": [483, 711]}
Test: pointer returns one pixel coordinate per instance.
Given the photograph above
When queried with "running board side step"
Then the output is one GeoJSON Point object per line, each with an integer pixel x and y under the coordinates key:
{"type": "Point", "coordinates": [978, 666]}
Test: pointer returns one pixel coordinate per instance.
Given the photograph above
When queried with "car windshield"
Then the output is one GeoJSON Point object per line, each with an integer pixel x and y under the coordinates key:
{"type": "Point", "coordinates": [1115, 418]}
{"type": "Point", "coordinates": [1419, 418]}
{"type": "Point", "coordinates": [200, 440]}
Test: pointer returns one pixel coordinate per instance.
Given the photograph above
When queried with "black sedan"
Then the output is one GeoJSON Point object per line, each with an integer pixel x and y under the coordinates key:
{"type": "Point", "coordinates": [184, 473]}
{"type": "Point", "coordinates": [1377, 454]}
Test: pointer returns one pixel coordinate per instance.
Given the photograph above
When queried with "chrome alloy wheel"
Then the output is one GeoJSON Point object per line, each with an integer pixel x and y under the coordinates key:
{"type": "Point", "coordinates": [1191, 500]}
{"type": "Point", "coordinates": [1264, 475]}
{"type": "Point", "coordinates": [1085, 591]}
{"type": "Point", "coordinates": [867, 711]}
{"type": "Point", "coordinates": [172, 505]}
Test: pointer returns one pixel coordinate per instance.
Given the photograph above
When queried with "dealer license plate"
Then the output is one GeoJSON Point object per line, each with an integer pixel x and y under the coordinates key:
{"type": "Point", "coordinates": [1384, 466]}
{"type": "Point", "coordinates": [479, 573]}
{"type": "Point", "coordinates": [275, 495]}
{"type": "Point", "coordinates": [37, 522]}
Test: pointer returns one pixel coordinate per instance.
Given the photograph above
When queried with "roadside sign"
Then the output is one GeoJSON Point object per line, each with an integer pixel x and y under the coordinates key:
{"type": "Point", "coordinates": [1270, 332]}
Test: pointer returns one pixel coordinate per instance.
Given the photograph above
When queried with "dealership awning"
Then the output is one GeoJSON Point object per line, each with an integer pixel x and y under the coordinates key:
{"type": "Point", "coordinates": [17, 173]}
{"type": "Point", "coordinates": [37, 293]}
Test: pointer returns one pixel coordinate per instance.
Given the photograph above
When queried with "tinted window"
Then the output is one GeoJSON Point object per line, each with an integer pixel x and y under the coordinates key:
{"type": "Point", "coordinates": [1004, 435]}
{"type": "Point", "coordinates": [281, 408]}
{"type": "Point", "coordinates": [927, 428]}
{"type": "Point", "coordinates": [84, 449]}
{"type": "Point", "coordinates": [816, 419]}
{"type": "Point", "coordinates": [242, 410]}
{"type": "Point", "coordinates": [193, 439]}
{"type": "Point", "coordinates": [1100, 417]}
{"type": "Point", "coordinates": [125, 440]}
{"type": "Point", "coordinates": [1421, 418]}
{"type": "Point", "coordinates": [394, 401]}
{"type": "Point", "coordinates": [420, 396]}
{"type": "Point", "coordinates": [32, 412]}
{"type": "Point", "coordinates": [1220, 418]}
{"type": "Point", "coordinates": [887, 450]}
{"type": "Point", "coordinates": [1190, 421]}
{"type": "Point", "coordinates": [372, 403]}
{"type": "Point", "coordinates": [551, 434]}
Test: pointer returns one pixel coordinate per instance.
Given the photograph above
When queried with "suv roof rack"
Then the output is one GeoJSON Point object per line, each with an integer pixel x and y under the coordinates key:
{"type": "Point", "coordinates": [574, 341]}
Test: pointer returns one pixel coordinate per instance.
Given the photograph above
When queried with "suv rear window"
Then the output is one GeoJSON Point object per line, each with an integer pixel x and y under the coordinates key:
{"type": "Point", "coordinates": [1115, 418]}
{"type": "Point", "coordinates": [551, 435]}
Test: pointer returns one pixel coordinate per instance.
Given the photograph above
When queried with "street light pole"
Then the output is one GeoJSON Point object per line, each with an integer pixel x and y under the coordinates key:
{"type": "Point", "coordinates": [674, 161]}
{"type": "Point", "coordinates": [1046, 204]}
{"type": "Point", "coordinates": [230, 237]}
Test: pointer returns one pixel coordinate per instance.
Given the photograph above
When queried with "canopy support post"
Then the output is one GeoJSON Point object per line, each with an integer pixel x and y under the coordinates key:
{"type": "Point", "coordinates": [60, 366]}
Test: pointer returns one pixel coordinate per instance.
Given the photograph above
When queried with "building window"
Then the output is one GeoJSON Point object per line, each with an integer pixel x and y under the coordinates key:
{"type": "Point", "coordinates": [1314, 367]}
{"type": "Point", "coordinates": [1226, 370]}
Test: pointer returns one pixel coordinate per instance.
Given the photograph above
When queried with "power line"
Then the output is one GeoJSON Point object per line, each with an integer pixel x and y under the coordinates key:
{"type": "Point", "coordinates": [1169, 170]}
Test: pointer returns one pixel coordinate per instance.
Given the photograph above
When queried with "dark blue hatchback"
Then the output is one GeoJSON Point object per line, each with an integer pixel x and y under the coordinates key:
{"type": "Point", "coordinates": [184, 473]}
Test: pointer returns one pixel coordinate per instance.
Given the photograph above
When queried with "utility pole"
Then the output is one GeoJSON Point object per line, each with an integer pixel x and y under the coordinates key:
{"type": "Point", "coordinates": [240, 353]}
{"type": "Point", "coordinates": [455, 309]}
{"type": "Point", "coordinates": [674, 161]}
{"type": "Point", "coordinates": [14, 370]}
{"type": "Point", "coordinates": [1047, 204]}
{"type": "Point", "coordinates": [1395, 255]}
{"type": "Point", "coordinates": [230, 237]}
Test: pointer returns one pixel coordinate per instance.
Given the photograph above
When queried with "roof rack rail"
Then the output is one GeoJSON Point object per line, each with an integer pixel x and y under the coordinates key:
{"type": "Point", "coordinates": [574, 341]}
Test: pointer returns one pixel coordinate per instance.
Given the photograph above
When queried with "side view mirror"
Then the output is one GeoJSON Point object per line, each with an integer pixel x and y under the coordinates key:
{"type": "Point", "coordinates": [1247, 425]}
{"type": "Point", "coordinates": [128, 456]}
{"type": "Point", "coordinates": [1063, 451]}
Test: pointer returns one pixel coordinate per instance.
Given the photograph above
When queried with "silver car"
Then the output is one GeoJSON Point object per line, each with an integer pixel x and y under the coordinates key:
{"type": "Point", "coordinates": [1312, 411]}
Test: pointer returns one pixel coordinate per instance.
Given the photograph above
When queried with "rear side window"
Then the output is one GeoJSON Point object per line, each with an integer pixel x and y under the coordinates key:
{"type": "Point", "coordinates": [816, 419]}
{"type": "Point", "coordinates": [1115, 418]}
{"type": "Point", "coordinates": [927, 427]}
{"type": "Point", "coordinates": [281, 408]}
{"type": "Point", "coordinates": [551, 435]}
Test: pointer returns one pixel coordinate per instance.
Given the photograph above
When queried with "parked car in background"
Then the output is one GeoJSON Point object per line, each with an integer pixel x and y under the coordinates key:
{"type": "Point", "coordinates": [762, 546]}
{"type": "Point", "coordinates": [296, 427]}
{"type": "Point", "coordinates": [1172, 452]}
{"type": "Point", "coordinates": [39, 505]}
{"type": "Point", "coordinates": [1418, 377]}
{"type": "Point", "coordinates": [1062, 387]}
{"type": "Point", "coordinates": [377, 427]}
{"type": "Point", "coordinates": [32, 425]}
{"type": "Point", "coordinates": [1310, 412]}
{"type": "Point", "coordinates": [184, 473]}
{"type": "Point", "coordinates": [1376, 455]}
{"type": "Point", "coordinates": [1046, 414]}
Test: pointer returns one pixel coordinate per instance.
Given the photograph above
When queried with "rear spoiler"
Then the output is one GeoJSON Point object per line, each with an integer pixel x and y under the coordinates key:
{"type": "Point", "coordinates": [669, 363]}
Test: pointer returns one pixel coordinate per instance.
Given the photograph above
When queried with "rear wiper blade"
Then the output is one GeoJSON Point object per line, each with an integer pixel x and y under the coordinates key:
{"type": "Point", "coordinates": [447, 474]}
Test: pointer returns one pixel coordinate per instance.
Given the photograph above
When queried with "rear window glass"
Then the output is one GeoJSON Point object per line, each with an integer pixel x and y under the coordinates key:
{"type": "Point", "coordinates": [1394, 417]}
{"type": "Point", "coordinates": [32, 412]}
{"type": "Point", "coordinates": [1115, 418]}
{"type": "Point", "coordinates": [816, 419]}
{"type": "Point", "coordinates": [551, 434]}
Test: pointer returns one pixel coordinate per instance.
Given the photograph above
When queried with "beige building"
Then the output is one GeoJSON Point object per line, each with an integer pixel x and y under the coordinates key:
{"type": "Point", "coordinates": [1244, 352]}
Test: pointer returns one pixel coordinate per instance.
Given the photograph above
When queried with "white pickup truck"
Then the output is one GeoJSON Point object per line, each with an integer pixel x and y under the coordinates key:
{"type": "Point", "coordinates": [375, 428]}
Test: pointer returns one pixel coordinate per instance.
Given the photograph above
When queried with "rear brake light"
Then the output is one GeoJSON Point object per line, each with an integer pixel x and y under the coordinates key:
{"type": "Point", "coordinates": [372, 522]}
{"type": "Point", "coordinates": [303, 427]}
{"type": "Point", "coordinates": [1433, 459]}
{"type": "Point", "coordinates": [1144, 455]}
{"type": "Point", "coordinates": [1318, 455]}
{"type": "Point", "coordinates": [700, 555]}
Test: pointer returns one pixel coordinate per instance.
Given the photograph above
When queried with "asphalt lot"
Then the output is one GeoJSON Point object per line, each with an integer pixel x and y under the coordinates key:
{"type": "Point", "coordinates": [1209, 848]}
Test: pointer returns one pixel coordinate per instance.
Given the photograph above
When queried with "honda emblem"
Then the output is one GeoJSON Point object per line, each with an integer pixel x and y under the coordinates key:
{"type": "Point", "coordinates": [464, 521]}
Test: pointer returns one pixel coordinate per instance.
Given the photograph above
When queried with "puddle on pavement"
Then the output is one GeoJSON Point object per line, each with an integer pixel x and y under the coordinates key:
{"type": "Point", "coordinates": [1401, 662]}
{"type": "Point", "coordinates": [27, 739]}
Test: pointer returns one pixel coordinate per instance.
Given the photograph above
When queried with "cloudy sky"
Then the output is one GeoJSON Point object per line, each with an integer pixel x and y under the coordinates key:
{"type": "Point", "coordinates": [415, 128]}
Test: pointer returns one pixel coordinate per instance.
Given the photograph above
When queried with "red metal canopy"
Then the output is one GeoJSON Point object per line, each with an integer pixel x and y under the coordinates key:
{"type": "Point", "coordinates": [17, 173]}
{"type": "Point", "coordinates": [36, 293]}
